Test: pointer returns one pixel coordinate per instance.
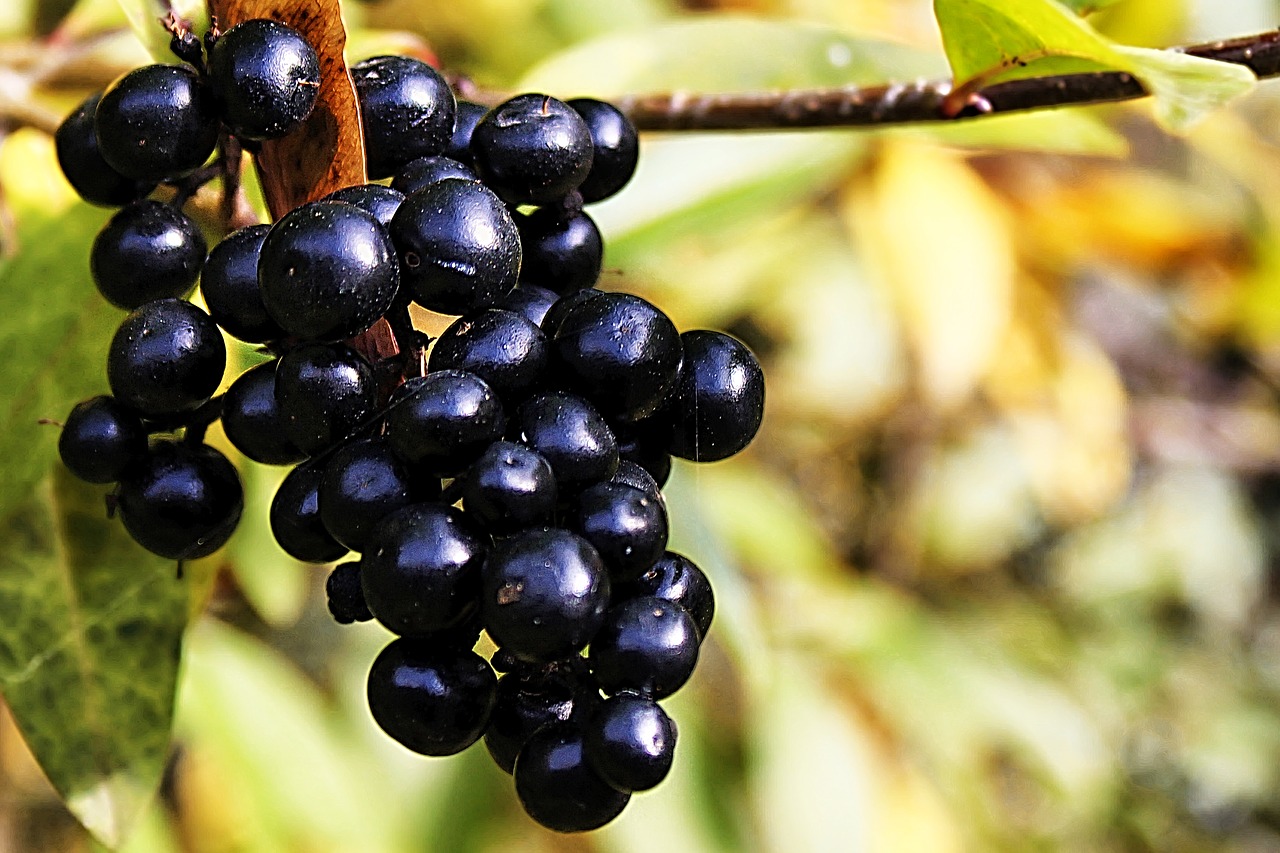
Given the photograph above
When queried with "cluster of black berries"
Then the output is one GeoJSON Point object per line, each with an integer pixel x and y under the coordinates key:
{"type": "Point", "coordinates": [505, 478]}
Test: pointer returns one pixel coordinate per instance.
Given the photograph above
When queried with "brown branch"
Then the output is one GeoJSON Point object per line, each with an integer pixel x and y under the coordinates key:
{"type": "Point", "coordinates": [921, 101]}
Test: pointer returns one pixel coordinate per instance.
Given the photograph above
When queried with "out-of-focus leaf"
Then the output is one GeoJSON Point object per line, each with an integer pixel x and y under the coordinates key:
{"type": "Point", "coordinates": [991, 40]}
{"type": "Point", "coordinates": [90, 638]}
{"type": "Point", "coordinates": [1085, 7]}
{"type": "Point", "coordinates": [146, 19]}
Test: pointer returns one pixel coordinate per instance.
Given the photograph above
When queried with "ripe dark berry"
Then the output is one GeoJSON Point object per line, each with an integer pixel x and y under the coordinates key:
{"type": "Point", "coordinates": [266, 76]}
{"type": "Point", "coordinates": [529, 699]}
{"type": "Point", "coordinates": [166, 358]}
{"type": "Point", "coordinates": [100, 439]}
{"type": "Point", "coordinates": [560, 252]}
{"type": "Point", "coordinates": [157, 123]}
{"type": "Point", "coordinates": [509, 488]}
{"type": "Point", "coordinates": [147, 251]}
{"type": "Point", "coordinates": [631, 474]}
{"type": "Point", "coordinates": [406, 109]}
{"type": "Point", "coordinates": [558, 788]}
{"type": "Point", "coordinates": [295, 518]}
{"type": "Point", "coordinates": [646, 644]}
{"type": "Point", "coordinates": [718, 401]}
{"type": "Point", "coordinates": [363, 483]}
{"type": "Point", "coordinates": [570, 433]}
{"type": "Point", "coordinates": [325, 391]}
{"type": "Point", "coordinates": [630, 741]}
{"type": "Point", "coordinates": [446, 421]}
{"type": "Point", "coordinates": [619, 351]}
{"type": "Point", "coordinates": [382, 202]}
{"type": "Point", "coordinates": [529, 301]}
{"type": "Point", "coordinates": [421, 173]}
{"type": "Point", "coordinates": [532, 149]}
{"type": "Point", "coordinates": [544, 594]}
{"type": "Point", "coordinates": [502, 348]}
{"type": "Point", "coordinates": [616, 148]}
{"type": "Point", "coordinates": [569, 302]}
{"type": "Point", "coordinates": [82, 163]}
{"type": "Point", "coordinates": [433, 701]}
{"type": "Point", "coordinates": [464, 124]}
{"type": "Point", "coordinates": [327, 271]}
{"type": "Point", "coordinates": [345, 597]}
{"type": "Point", "coordinates": [181, 501]}
{"type": "Point", "coordinates": [677, 579]}
{"type": "Point", "coordinates": [421, 572]}
{"type": "Point", "coordinates": [252, 421]}
{"type": "Point", "coordinates": [229, 284]}
{"type": "Point", "coordinates": [458, 245]}
{"type": "Point", "coordinates": [627, 528]}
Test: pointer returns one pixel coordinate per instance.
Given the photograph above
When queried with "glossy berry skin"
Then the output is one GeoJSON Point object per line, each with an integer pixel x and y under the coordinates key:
{"type": "Point", "coordinates": [327, 271]}
{"type": "Point", "coordinates": [100, 439]}
{"type": "Point", "coordinates": [530, 698]}
{"type": "Point", "coordinates": [181, 501]}
{"type": "Point", "coordinates": [147, 251]}
{"type": "Point", "coordinates": [345, 595]}
{"type": "Point", "coordinates": [267, 78]}
{"type": "Point", "coordinates": [252, 421]}
{"type": "Point", "coordinates": [464, 125]}
{"type": "Point", "coordinates": [382, 202]}
{"type": "Point", "coordinates": [458, 245]}
{"type": "Point", "coordinates": [544, 594]}
{"type": "Point", "coordinates": [529, 301]}
{"type": "Point", "coordinates": [421, 173]}
{"type": "Point", "coordinates": [363, 483]}
{"type": "Point", "coordinates": [573, 437]}
{"type": "Point", "coordinates": [166, 358]}
{"type": "Point", "coordinates": [558, 788]}
{"type": "Point", "coordinates": [532, 149]}
{"type": "Point", "coordinates": [620, 352]}
{"type": "Point", "coordinates": [502, 348]}
{"type": "Point", "coordinates": [616, 148]}
{"type": "Point", "coordinates": [630, 741]}
{"type": "Point", "coordinates": [445, 421]}
{"type": "Point", "coordinates": [82, 163]}
{"type": "Point", "coordinates": [295, 518]}
{"type": "Point", "coordinates": [626, 527]}
{"type": "Point", "coordinates": [509, 488]}
{"type": "Point", "coordinates": [229, 284]}
{"type": "Point", "coordinates": [325, 391]}
{"type": "Point", "coordinates": [555, 315]}
{"type": "Point", "coordinates": [560, 252]}
{"type": "Point", "coordinates": [421, 573]}
{"type": "Point", "coordinates": [646, 644]}
{"type": "Point", "coordinates": [432, 700]}
{"type": "Point", "coordinates": [677, 579]}
{"type": "Point", "coordinates": [718, 401]}
{"type": "Point", "coordinates": [406, 109]}
{"type": "Point", "coordinates": [157, 123]}
{"type": "Point", "coordinates": [631, 474]}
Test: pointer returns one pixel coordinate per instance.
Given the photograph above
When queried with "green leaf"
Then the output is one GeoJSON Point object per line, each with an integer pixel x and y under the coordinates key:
{"type": "Point", "coordinates": [89, 650]}
{"type": "Point", "coordinates": [988, 41]}
{"type": "Point", "coordinates": [146, 16]}
{"type": "Point", "coordinates": [1086, 7]}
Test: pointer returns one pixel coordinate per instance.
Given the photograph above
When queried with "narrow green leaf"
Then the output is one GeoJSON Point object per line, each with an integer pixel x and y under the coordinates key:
{"type": "Point", "coordinates": [146, 17]}
{"type": "Point", "coordinates": [90, 634]}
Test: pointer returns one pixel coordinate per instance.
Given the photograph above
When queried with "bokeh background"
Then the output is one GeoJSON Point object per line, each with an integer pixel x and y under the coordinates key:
{"type": "Point", "coordinates": [1000, 571]}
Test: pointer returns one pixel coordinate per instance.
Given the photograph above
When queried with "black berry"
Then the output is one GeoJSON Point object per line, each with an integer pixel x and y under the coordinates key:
{"type": "Point", "coordinates": [630, 741]}
{"type": "Point", "coordinates": [532, 149]}
{"type": "Point", "coordinates": [266, 76]}
{"type": "Point", "coordinates": [529, 699]}
{"type": "Point", "coordinates": [718, 401]}
{"type": "Point", "coordinates": [325, 391]}
{"type": "Point", "coordinates": [558, 788]}
{"type": "Point", "coordinates": [503, 348]}
{"type": "Point", "coordinates": [382, 202]}
{"type": "Point", "coordinates": [406, 109]}
{"type": "Point", "coordinates": [252, 421]}
{"type": "Point", "coordinates": [446, 421]}
{"type": "Point", "coordinates": [363, 483]}
{"type": "Point", "coordinates": [646, 644]}
{"type": "Point", "coordinates": [509, 488]}
{"type": "Point", "coordinates": [295, 518]}
{"type": "Point", "coordinates": [166, 358]}
{"type": "Point", "coordinates": [615, 144]}
{"type": "Point", "coordinates": [626, 527]}
{"type": "Point", "coordinates": [677, 579]}
{"type": "Point", "coordinates": [572, 435]}
{"type": "Point", "coordinates": [559, 251]}
{"type": "Point", "coordinates": [83, 165]}
{"type": "Point", "coordinates": [344, 595]}
{"type": "Point", "coordinates": [421, 173]}
{"type": "Point", "coordinates": [100, 439]}
{"type": "Point", "coordinates": [229, 284]}
{"type": "Point", "coordinates": [157, 123]}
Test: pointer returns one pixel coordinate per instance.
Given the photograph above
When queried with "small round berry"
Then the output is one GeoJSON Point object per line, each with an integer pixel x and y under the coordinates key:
{"type": "Point", "coordinates": [630, 741]}
{"type": "Point", "coordinates": [627, 528]}
{"type": "Point", "coordinates": [295, 518]}
{"type": "Point", "coordinates": [677, 579]}
{"type": "Point", "coordinates": [425, 171]}
{"type": "Point", "coordinates": [325, 392]}
{"type": "Point", "coordinates": [229, 284]}
{"type": "Point", "coordinates": [529, 301]}
{"type": "Point", "coordinates": [157, 123]}
{"type": "Point", "coordinates": [344, 595]}
{"type": "Point", "coordinates": [509, 488]}
{"type": "Point", "coordinates": [267, 77]}
{"type": "Point", "coordinates": [252, 421]}
{"type": "Point", "coordinates": [647, 645]}
{"type": "Point", "coordinates": [532, 149]}
{"type": "Point", "coordinates": [181, 501]}
{"type": "Point", "coordinates": [406, 109]}
{"type": "Point", "coordinates": [445, 422]}
{"type": "Point", "coordinates": [558, 788]}
{"type": "Point", "coordinates": [616, 148]}
{"type": "Point", "coordinates": [459, 247]}
{"type": "Point", "coordinates": [560, 309]}
{"type": "Point", "coordinates": [382, 202]}
{"type": "Point", "coordinates": [559, 251]}
{"type": "Point", "coordinates": [573, 437]}
{"type": "Point", "coordinates": [82, 163]}
{"type": "Point", "coordinates": [544, 594]}
{"type": "Point", "coordinates": [504, 349]}
{"type": "Point", "coordinates": [631, 474]}
{"type": "Point", "coordinates": [464, 124]}
{"type": "Point", "coordinates": [100, 439]}
{"type": "Point", "coordinates": [166, 358]}
{"type": "Point", "coordinates": [421, 572]}
{"type": "Point", "coordinates": [363, 483]}
{"type": "Point", "coordinates": [327, 271]}
{"type": "Point", "coordinates": [718, 401]}
{"type": "Point", "coordinates": [147, 251]}
{"type": "Point", "coordinates": [530, 698]}
{"type": "Point", "coordinates": [431, 700]}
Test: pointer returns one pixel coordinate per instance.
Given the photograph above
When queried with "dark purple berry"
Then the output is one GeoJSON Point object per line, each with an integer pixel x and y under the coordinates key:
{"type": "Point", "coordinates": [252, 421]}
{"type": "Point", "coordinates": [646, 644]}
{"type": "Point", "coordinates": [558, 788]}
{"type": "Point", "coordinates": [267, 78]}
{"type": "Point", "coordinates": [530, 698]}
{"type": "Point", "coordinates": [406, 110]}
{"type": "Point", "coordinates": [718, 401]}
{"type": "Point", "coordinates": [464, 124]}
{"type": "Point", "coordinates": [573, 437]}
{"type": "Point", "coordinates": [157, 123]}
{"type": "Point", "coordinates": [82, 163]}
{"type": "Point", "coordinates": [421, 173]}
{"type": "Point", "coordinates": [445, 422]}
{"type": "Point", "coordinates": [627, 528]}
{"type": "Point", "coordinates": [560, 252]}
{"type": "Point", "coordinates": [630, 741]}
{"type": "Point", "coordinates": [345, 596]}
{"type": "Point", "coordinates": [677, 579]}
{"type": "Point", "coordinates": [504, 349]}
{"type": "Point", "coordinates": [529, 301]}
{"type": "Point", "coordinates": [147, 251]}
{"type": "Point", "coordinates": [509, 488]}
{"type": "Point", "coordinates": [229, 283]}
{"type": "Point", "coordinates": [295, 518]}
{"type": "Point", "coordinates": [616, 148]}
{"type": "Point", "coordinates": [363, 483]}
{"type": "Point", "coordinates": [382, 202]}
{"type": "Point", "coordinates": [100, 439]}
{"type": "Point", "coordinates": [532, 149]}
{"type": "Point", "coordinates": [166, 358]}
{"type": "Point", "coordinates": [325, 391]}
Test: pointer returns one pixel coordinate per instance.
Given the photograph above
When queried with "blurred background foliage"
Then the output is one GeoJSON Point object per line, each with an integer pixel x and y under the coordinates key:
{"type": "Point", "coordinates": [1002, 570]}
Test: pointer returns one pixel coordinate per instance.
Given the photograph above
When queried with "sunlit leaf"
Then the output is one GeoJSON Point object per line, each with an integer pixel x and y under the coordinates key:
{"type": "Point", "coordinates": [146, 18]}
